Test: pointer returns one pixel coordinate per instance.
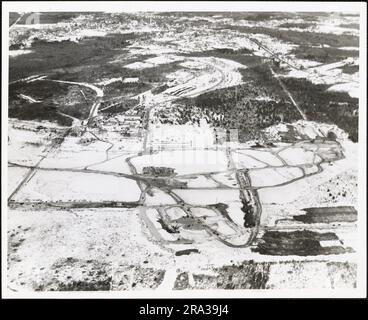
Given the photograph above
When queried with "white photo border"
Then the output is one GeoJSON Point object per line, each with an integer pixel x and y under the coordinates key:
{"type": "Point", "coordinates": [130, 6]}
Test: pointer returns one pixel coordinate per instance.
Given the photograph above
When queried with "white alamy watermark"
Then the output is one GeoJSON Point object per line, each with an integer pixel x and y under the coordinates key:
{"type": "Point", "coordinates": [191, 147]}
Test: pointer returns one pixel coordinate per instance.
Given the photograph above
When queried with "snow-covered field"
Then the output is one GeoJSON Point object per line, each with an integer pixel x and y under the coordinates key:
{"type": "Point", "coordinates": [295, 156]}
{"type": "Point", "coordinates": [257, 158]}
{"type": "Point", "coordinates": [305, 129]}
{"type": "Point", "coordinates": [199, 182]}
{"type": "Point", "coordinates": [226, 178]}
{"type": "Point", "coordinates": [73, 186]}
{"type": "Point", "coordinates": [272, 176]}
{"type": "Point", "coordinates": [15, 176]}
{"type": "Point", "coordinates": [114, 164]}
{"type": "Point", "coordinates": [206, 197]}
{"type": "Point", "coordinates": [89, 152]}
{"type": "Point", "coordinates": [297, 190]}
{"type": "Point", "coordinates": [73, 154]}
{"type": "Point", "coordinates": [352, 88]}
{"type": "Point", "coordinates": [158, 198]}
{"type": "Point", "coordinates": [27, 147]}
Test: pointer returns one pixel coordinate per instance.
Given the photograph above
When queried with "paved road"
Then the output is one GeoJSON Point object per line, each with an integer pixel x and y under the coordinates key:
{"type": "Point", "coordinates": [32, 169]}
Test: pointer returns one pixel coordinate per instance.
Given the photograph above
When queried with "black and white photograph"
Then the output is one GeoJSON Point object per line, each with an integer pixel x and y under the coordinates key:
{"type": "Point", "coordinates": [183, 149]}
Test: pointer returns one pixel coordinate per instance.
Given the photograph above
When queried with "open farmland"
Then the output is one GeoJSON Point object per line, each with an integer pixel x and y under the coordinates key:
{"type": "Point", "coordinates": [183, 150]}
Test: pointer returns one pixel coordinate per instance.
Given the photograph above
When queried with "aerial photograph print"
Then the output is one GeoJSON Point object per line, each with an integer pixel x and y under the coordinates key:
{"type": "Point", "coordinates": [166, 150]}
